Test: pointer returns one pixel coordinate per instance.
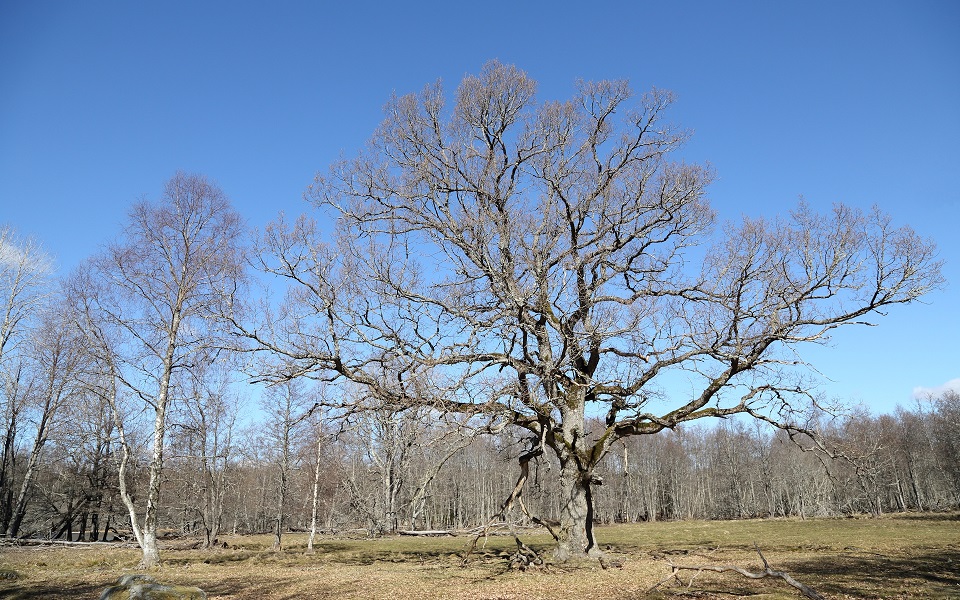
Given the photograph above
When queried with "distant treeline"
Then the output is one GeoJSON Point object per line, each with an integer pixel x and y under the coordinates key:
{"type": "Point", "coordinates": [386, 471]}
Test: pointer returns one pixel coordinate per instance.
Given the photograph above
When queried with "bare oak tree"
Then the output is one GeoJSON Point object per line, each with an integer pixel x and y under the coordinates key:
{"type": "Point", "coordinates": [159, 290]}
{"type": "Point", "coordinates": [539, 262]}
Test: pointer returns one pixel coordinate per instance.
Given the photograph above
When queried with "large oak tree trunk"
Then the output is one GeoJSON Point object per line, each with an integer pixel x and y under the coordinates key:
{"type": "Point", "coordinates": [576, 513]}
{"type": "Point", "coordinates": [575, 536]}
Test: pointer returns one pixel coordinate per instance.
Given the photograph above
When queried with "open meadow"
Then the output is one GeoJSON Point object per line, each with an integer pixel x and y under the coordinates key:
{"type": "Point", "coordinates": [904, 556]}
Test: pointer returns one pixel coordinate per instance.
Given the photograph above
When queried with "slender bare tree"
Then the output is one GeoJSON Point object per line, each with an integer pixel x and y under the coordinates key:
{"type": "Point", "coordinates": [288, 408]}
{"type": "Point", "coordinates": [56, 356]}
{"type": "Point", "coordinates": [102, 376]}
{"type": "Point", "coordinates": [24, 277]}
{"type": "Point", "coordinates": [538, 261]}
{"type": "Point", "coordinates": [203, 439]}
{"type": "Point", "coordinates": [322, 441]}
{"type": "Point", "coordinates": [159, 290]}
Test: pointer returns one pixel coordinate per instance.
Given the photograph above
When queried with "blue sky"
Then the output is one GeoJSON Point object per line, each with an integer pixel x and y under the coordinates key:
{"type": "Point", "coordinates": [859, 102]}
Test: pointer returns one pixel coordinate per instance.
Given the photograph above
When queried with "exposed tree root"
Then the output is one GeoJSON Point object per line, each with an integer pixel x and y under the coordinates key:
{"type": "Point", "coordinates": [525, 557]}
{"type": "Point", "coordinates": [766, 572]}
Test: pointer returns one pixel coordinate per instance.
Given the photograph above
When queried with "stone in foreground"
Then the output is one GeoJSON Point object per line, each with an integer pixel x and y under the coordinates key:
{"type": "Point", "coordinates": [144, 587]}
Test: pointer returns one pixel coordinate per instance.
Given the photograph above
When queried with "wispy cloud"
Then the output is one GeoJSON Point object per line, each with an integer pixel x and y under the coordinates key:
{"type": "Point", "coordinates": [10, 256]}
{"type": "Point", "coordinates": [21, 256]}
{"type": "Point", "coordinates": [921, 392]}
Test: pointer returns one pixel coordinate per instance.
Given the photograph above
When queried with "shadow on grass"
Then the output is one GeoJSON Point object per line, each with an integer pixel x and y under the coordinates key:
{"type": "Point", "coordinates": [324, 554]}
{"type": "Point", "coordinates": [241, 587]}
{"type": "Point", "coordinates": [355, 557]}
{"type": "Point", "coordinates": [46, 591]}
{"type": "Point", "coordinates": [228, 586]}
{"type": "Point", "coordinates": [928, 516]}
{"type": "Point", "coordinates": [936, 571]}
{"type": "Point", "coordinates": [281, 588]}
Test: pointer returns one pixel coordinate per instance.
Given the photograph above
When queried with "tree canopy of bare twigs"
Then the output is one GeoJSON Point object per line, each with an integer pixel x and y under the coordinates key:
{"type": "Point", "coordinates": [541, 261]}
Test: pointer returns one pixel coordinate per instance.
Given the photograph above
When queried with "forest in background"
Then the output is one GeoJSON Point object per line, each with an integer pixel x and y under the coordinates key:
{"type": "Point", "coordinates": [390, 471]}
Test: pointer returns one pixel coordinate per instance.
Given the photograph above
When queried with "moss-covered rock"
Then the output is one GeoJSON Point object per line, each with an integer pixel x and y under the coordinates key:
{"type": "Point", "coordinates": [144, 587]}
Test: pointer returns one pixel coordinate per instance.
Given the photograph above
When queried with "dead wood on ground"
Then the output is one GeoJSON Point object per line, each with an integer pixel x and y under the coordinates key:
{"type": "Point", "coordinates": [767, 571]}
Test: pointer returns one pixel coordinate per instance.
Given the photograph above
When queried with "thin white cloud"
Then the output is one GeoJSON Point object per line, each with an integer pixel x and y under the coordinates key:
{"type": "Point", "coordinates": [922, 393]}
{"type": "Point", "coordinates": [10, 255]}
{"type": "Point", "coordinates": [21, 256]}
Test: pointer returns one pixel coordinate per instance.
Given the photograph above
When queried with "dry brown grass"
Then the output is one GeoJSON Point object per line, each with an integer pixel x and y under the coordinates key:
{"type": "Point", "coordinates": [911, 556]}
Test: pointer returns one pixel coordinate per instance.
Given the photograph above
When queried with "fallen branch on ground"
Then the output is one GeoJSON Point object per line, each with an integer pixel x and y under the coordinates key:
{"type": "Point", "coordinates": [427, 532]}
{"type": "Point", "coordinates": [767, 572]}
{"type": "Point", "coordinates": [500, 528]}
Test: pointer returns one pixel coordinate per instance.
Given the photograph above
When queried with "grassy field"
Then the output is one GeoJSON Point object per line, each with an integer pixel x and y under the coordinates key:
{"type": "Point", "coordinates": [908, 556]}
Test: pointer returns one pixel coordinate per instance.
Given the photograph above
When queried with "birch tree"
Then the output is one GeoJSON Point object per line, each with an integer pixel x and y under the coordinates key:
{"type": "Point", "coordinates": [159, 288]}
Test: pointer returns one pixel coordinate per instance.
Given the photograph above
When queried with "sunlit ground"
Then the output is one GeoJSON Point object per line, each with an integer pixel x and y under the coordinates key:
{"type": "Point", "coordinates": [909, 556]}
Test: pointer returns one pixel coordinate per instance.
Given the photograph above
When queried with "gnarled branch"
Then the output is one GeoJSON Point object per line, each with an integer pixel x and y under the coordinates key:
{"type": "Point", "coordinates": [767, 571]}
